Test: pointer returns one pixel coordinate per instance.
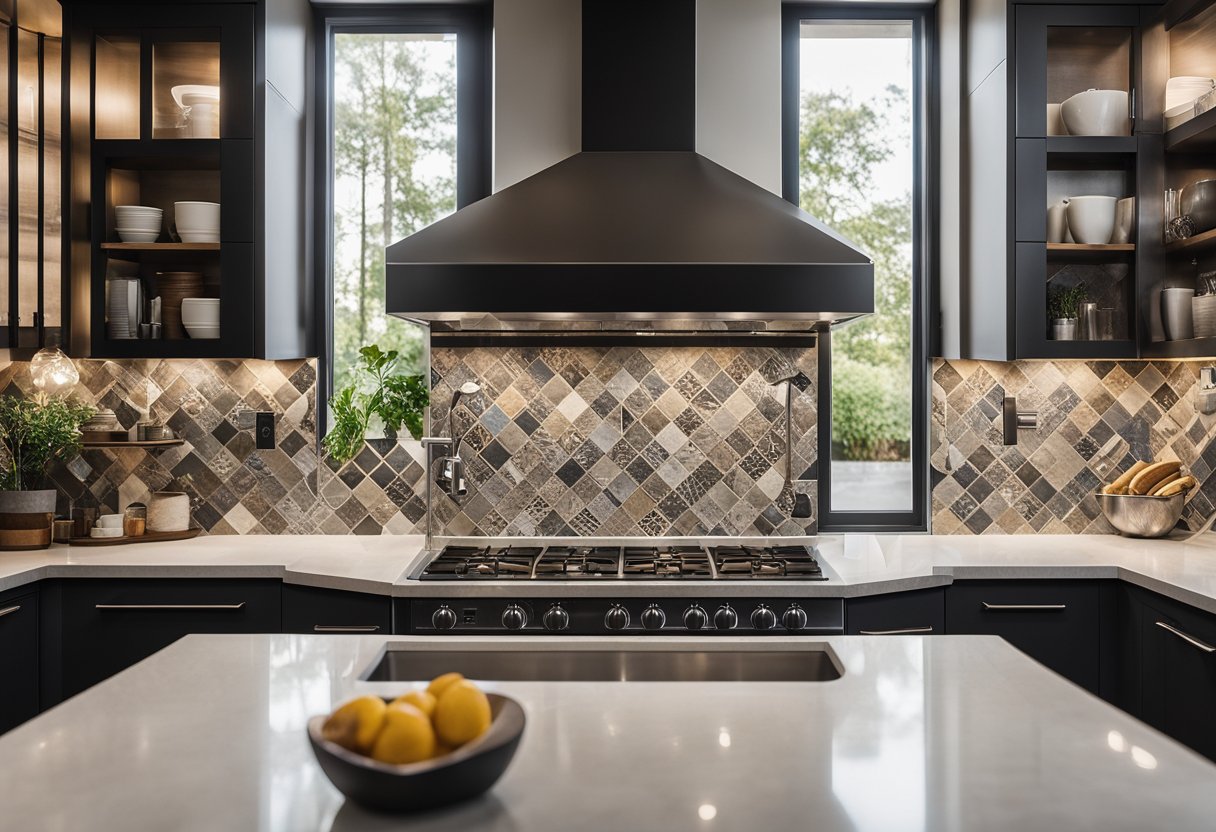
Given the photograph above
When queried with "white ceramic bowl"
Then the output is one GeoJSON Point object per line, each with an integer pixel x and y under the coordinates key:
{"type": "Point", "coordinates": [200, 332]}
{"type": "Point", "coordinates": [201, 312]}
{"type": "Point", "coordinates": [137, 236]}
{"type": "Point", "coordinates": [110, 521]}
{"type": "Point", "coordinates": [187, 95]}
{"type": "Point", "coordinates": [1096, 113]}
{"type": "Point", "coordinates": [197, 216]}
{"type": "Point", "coordinates": [1091, 219]}
{"type": "Point", "coordinates": [100, 531]}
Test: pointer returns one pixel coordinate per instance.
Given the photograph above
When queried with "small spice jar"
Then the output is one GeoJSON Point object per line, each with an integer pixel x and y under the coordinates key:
{"type": "Point", "coordinates": [135, 520]}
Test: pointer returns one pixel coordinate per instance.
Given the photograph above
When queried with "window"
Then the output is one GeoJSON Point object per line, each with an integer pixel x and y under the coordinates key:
{"type": "Point", "coordinates": [855, 156]}
{"type": "Point", "coordinates": [405, 143]}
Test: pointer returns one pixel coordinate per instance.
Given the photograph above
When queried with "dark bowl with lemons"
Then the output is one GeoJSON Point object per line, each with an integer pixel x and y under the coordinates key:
{"type": "Point", "coordinates": [461, 774]}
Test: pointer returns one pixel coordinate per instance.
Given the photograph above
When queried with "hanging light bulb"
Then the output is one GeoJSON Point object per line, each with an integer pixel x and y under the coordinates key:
{"type": "Point", "coordinates": [52, 372]}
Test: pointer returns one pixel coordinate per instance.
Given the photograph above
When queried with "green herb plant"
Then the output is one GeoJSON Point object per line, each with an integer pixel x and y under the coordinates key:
{"type": "Point", "coordinates": [1063, 302]}
{"type": "Point", "coordinates": [377, 391]}
{"type": "Point", "coordinates": [33, 434]}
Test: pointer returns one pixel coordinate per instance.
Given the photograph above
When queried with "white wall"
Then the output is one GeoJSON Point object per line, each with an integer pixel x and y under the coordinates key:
{"type": "Point", "coordinates": [537, 107]}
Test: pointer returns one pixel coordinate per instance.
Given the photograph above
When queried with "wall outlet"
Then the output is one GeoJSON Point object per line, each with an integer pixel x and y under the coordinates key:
{"type": "Point", "coordinates": [263, 430]}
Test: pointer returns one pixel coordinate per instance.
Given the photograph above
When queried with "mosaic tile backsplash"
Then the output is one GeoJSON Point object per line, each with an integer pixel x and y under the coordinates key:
{"type": "Point", "coordinates": [560, 441]}
{"type": "Point", "coordinates": [1095, 419]}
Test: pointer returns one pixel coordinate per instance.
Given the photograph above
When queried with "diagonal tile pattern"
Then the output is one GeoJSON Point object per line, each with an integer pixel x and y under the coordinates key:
{"type": "Point", "coordinates": [561, 441]}
{"type": "Point", "coordinates": [1046, 482]}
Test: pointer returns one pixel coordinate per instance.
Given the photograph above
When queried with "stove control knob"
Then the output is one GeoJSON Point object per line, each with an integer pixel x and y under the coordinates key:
{"type": "Point", "coordinates": [794, 618]}
{"type": "Point", "coordinates": [617, 618]}
{"type": "Point", "coordinates": [763, 618]}
{"type": "Point", "coordinates": [653, 617]}
{"type": "Point", "coordinates": [556, 618]}
{"type": "Point", "coordinates": [695, 618]}
{"type": "Point", "coordinates": [725, 618]}
{"type": "Point", "coordinates": [444, 618]}
{"type": "Point", "coordinates": [514, 617]}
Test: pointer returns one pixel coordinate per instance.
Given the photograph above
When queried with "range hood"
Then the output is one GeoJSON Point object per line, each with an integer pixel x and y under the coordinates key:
{"type": "Point", "coordinates": [638, 231]}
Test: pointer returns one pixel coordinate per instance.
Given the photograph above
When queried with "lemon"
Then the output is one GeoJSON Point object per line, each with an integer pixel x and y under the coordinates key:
{"type": "Point", "coordinates": [420, 699]}
{"type": "Point", "coordinates": [407, 736]}
{"type": "Point", "coordinates": [462, 713]}
{"type": "Point", "coordinates": [356, 724]}
{"type": "Point", "coordinates": [441, 683]}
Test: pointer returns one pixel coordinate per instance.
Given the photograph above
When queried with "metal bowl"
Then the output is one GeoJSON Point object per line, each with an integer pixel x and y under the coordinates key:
{"type": "Point", "coordinates": [1199, 202]}
{"type": "Point", "coordinates": [1137, 515]}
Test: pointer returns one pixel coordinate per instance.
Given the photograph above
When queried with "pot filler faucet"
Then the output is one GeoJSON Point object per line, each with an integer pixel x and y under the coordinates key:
{"type": "Point", "coordinates": [798, 503]}
{"type": "Point", "coordinates": [451, 467]}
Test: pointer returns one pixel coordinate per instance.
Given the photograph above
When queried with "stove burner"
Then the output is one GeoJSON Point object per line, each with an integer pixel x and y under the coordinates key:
{"type": "Point", "coordinates": [770, 562]}
{"type": "Point", "coordinates": [579, 562]}
{"type": "Point", "coordinates": [600, 563]}
{"type": "Point", "coordinates": [471, 562]}
{"type": "Point", "coordinates": [666, 562]}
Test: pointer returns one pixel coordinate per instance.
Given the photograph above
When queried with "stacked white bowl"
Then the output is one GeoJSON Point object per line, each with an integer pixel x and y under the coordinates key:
{"type": "Point", "coordinates": [137, 223]}
{"type": "Point", "coordinates": [201, 317]}
{"type": "Point", "coordinates": [197, 222]}
{"type": "Point", "coordinates": [1180, 94]}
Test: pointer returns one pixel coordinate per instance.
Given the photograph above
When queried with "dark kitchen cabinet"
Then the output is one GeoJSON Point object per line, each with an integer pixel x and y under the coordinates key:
{"type": "Point", "coordinates": [1177, 671]}
{"type": "Point", "coordinates": [309, 609]}
{"type": "Point", "coordinates": [136, 138]}
{"type": "Point", "coordinates": [108, 625]}
{"type": "Point", "coordinates": [1057, 623]}
{"type": "Point", "coordinates": [19, 683]}
{"type": "Point", "coordinates": [1036, 55]}
{"type": "Point", "coordinates": [920, 612]}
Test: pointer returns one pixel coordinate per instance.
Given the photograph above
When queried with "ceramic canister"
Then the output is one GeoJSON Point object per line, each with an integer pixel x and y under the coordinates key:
{"type": "Point", "coordinates": [169, 511]}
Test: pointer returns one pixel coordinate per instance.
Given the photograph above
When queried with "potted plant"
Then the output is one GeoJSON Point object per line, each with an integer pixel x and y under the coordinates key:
{"type": "Point", "coordinates": [33, 434]}
{"type": "Point", "coordinates": [1062, 304]}
{"type": "Point", "coordinates": [379, 391]}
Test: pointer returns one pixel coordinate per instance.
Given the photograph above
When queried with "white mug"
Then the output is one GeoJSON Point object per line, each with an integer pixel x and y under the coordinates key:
{"type": "Point", "coordinates": [1057, 222]}
{"type": "Point", "coordinates": [1176, 313]}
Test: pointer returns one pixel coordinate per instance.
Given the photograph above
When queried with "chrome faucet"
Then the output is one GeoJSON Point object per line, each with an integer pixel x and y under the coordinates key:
{"type": "Point", "coordinates": [451, 467]}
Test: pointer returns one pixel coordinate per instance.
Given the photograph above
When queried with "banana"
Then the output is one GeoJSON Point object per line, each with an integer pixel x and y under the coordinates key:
{"type": "Point", "coordinates": [1119, 486]}
{"type": "Point", "coordinates": [1165, 481]}
{"type": "Point", "coordinates": [1150, 476]}
{"type": "Point", "coordinates": [1176, 487]}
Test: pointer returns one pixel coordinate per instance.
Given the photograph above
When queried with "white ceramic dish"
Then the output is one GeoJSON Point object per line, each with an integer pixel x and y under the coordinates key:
{"type": "Point", "coordinates": [189, 95]}
{"type": "Point", "coordinates": [1181, 92]}
{"type": "Point", "coordinates": [197, 216]}
{"type": "Point", "coordinates": [138, 236]}
{"type": "Point", "coordinates": [100, 531]}
{"type": "Point", "coordinates": [202, 333]}
{"type": "Point", "coordinates": [110, 521]}
{"type": "Point", "coordinates": [1096, 113]}
{"type": "Point", "coordinates": [1091, 219]}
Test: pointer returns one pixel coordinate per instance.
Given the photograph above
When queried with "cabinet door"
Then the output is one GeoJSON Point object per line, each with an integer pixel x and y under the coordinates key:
{"type": "Point", "coordinates": [18, 660]}
{"type": "Point", "coordinates": [921, 612]}
{"type": "Point", "coordinates": [1178, 682]}
{"type": "Point", "coordinates": [1057, 623]}
{"type": "Point", "coordinates": [309, 609]}
{"type": "Point", "coordinates": [109, 625]}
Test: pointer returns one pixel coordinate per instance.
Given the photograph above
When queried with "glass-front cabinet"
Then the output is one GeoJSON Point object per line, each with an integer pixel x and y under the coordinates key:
{"type": "Point", "coordinates": [163, 180]}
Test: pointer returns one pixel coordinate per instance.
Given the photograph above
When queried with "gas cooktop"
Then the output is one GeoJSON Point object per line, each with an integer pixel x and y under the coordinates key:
{"type": "Point", "coordinates": [623, 563]}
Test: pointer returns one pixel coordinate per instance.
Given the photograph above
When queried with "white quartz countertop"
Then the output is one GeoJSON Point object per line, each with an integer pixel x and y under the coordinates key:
{"type": "Point", "coordinates": [859, 564]}
{"type": "Point", "coordinates": [942, 733]}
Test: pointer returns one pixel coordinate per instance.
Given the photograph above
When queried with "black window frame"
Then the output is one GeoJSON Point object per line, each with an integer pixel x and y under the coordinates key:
{"type": "Point", "coordinates": [924, 219]}
{"type": "Point", "coordinates": [473, 25]}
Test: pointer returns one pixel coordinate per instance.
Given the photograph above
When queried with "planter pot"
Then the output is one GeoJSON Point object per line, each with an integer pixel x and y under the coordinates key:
{"type": "Point", "coordinates": [28, 502]}
{"type": "Point", "coordinates": [1064, 329]}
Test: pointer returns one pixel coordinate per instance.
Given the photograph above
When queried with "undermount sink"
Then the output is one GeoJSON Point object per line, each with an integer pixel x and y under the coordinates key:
{"type": "Point", "coordinates": [403, 664]}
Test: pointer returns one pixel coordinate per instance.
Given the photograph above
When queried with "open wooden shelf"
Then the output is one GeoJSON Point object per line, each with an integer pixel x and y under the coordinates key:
{"type": "Point", "coordinates": [1199, 242]}
{"type": "Point", "coordinates": [131, 443]}
{"type": "Point", "coordinates": [1195, 136]}
{"type": "Point", "coordinates": [160, 246]}
{"type": "Point", "coordinates": [1189, 348]}
{"type": "Point", "coordinates": [1097, 248]}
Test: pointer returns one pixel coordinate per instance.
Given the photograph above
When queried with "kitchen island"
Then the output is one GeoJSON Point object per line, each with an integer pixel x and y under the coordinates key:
{"type": "Point", "coordinates": [944, 733]}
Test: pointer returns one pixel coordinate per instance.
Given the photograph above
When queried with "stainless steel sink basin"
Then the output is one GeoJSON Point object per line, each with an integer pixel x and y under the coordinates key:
{"type": "Point", "coordinates": [409, 665]}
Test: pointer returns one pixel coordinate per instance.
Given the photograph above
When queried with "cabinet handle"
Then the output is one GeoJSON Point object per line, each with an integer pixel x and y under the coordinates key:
{"type": "Point", "coordinates": [345, 628]}
{"type": "Point", "coordinates": [1022, 607]}
{"type": "Point", "coordinates": [170, 606]}
{"type": "Point", "coordinates": [903, 631]}
{"type": "Point", "coordinates": [1191, 640]}
{"type": "Point", "coordinates": [9, 610]}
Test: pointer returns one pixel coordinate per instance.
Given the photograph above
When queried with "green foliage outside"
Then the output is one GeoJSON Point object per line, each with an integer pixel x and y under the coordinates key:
{"type": "Point", "coordinates": [35, 433]}
{"type": "Point", "coordinates": [840, 143]}
{"type": "Point", "coordinates": [376, 391]}
{"type": "Point", "coordinates": [395, 172]}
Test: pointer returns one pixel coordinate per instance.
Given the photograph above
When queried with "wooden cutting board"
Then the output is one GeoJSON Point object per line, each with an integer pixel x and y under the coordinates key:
{"type": "Point", "coordinates": [147, 537]}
